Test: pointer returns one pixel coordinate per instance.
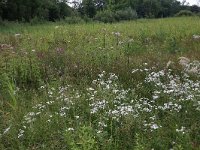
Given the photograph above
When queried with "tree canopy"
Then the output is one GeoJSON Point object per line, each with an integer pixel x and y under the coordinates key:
{"type": "Point", "coordinates": [52, 10]}
{"type": "Point", "coordinates": [28, 9]}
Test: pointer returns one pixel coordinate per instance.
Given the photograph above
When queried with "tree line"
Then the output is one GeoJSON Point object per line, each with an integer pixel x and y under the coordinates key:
{"type": "Point", "coordinates": [26, 10]}
{"type": "Point", "coordinates": [102, 10]}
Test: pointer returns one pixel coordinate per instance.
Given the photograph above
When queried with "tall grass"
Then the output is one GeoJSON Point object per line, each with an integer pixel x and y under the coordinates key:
{"type": "Point", "coordinates": [100, 86]}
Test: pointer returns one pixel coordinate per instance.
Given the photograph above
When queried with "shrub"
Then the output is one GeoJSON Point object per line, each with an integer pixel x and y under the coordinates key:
{"type": "Point", "coordinates": [43, 13]}
{"type": "Point", "coordinates": [87, 19]}
{"type": "Point", "coordinates": [106, 16]}
{"type": "Point", "coordinates": [184, 13]}
{"type": "Point", "coordinates": [126, 14]}
{"type": "Point", "coordinates": [195, 9]}
{"type": "Point", "coordinates": [109, 16]}
{"type": "Point", "coordinates": [36, 20]}
{"type": "Point", "coordinates": [1, 21]}
{"type": "Point", "coordinates": [74, 20]}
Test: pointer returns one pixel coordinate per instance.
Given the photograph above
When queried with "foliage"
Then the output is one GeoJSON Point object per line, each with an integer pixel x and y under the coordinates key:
{"type": "Point", "coordinates": [110, 16]}
{"type": "Point", "coordinates": [184, 13]}
{"type": "Point", "coordinates": [147, 8]}
{"type": "Point", "coordinates": [195, 9]}
{"type": "Point", "coordinates": [105, 16]}
{"type": "Point", "coordinates": [36, 20]}
{"type": "Point", "coordinates": [126, 14]}
{"type": "Point", "coordinates": [1, 22]}
{"type": "Point", "coordinates": [73, 20]}
{"type": "Point", "coordinates": [54, 10]}
{"type": "Point", "coordinates": [26, 9]}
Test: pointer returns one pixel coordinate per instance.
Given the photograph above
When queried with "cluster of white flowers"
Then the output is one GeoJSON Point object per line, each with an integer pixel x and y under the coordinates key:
{"type": "Point", "coordinates": [98, 105]}
{"type": "Point", "coordinates": [6, 47]}
{"type": "Point", "coordinates": [31, 117]}
{"type": "Point", "coordinates": [152, 126]}
{"type": "Point", "coordinates": [177, 88]}
{"type": "Point", "coordinates": [144, 105]}
{"type": "Point", "coordinates": [171, 107]}
{"type": "Point", "coordinates": [113, 100]}
{"type": "Point", "coordinates": [196, 37]}
{"type": "Point", "coordinates": [108, 100]}
{"type": "Point", "coordinates": [56, 96]}
{"type": "Point", "coordinates": [193, 68]}
{"type": "Point", "coordinates": [113, 103]}
{"type": "Point", "coordinates": [182, 130]}
{"type": "Point", "coordinates": [116, 33]}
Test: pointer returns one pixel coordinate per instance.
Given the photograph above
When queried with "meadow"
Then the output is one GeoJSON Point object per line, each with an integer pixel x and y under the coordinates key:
{"type": "Point", "coordinates": [123, 86]}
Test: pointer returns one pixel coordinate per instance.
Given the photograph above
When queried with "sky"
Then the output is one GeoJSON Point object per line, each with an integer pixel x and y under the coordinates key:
{"type": "Point", "coordinates": [191, 2]}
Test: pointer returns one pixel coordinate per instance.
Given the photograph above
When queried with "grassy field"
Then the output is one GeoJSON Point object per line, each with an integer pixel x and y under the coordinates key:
{"type": "Point", "coordinates": [124, 86]}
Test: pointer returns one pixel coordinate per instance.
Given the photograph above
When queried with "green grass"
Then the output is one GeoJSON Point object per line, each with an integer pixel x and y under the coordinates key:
{"type": "Point", "coordinates": [100, 86]}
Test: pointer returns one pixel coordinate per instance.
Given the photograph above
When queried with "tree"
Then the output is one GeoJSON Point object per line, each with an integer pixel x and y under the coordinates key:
{"type": "Point", "coordinates": [194, 9]}
{"type": "Point", "coordinates": [53, 10]}
{"type": "Point", "coordinates": [28, 9]}
{"type": "Point", "coordinates": [88, 8]}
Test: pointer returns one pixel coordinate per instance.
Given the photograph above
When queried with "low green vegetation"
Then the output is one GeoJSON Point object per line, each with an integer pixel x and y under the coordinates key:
{"type": "Point", "coordinates": [184, 13]}
{"type": "Point", "coordinates": [131, 85]}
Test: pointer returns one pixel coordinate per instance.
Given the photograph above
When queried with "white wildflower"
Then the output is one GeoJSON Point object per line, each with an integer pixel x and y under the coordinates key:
{"type": "Point", "coordinates": [196, 37]}
{"type": "Point", "coordinates": [183, 61]}
{"type": "Point", "coordinates": [6, 130]}
{"type": "Point", "coordinates": [154, 126]}
{"type": "Point", "coordinates": [70, 129]}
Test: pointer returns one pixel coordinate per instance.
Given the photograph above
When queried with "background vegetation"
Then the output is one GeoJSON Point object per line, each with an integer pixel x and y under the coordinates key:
{"type": "Point", "coordinates": [101, 10]}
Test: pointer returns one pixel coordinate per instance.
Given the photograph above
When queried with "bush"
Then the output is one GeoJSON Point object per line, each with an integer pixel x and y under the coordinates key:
{"type": "Point", "coordinates": [106, 16]}
{"type": "Point", "coordinates": [42, 13]}
{"type": "Point", "coordinates": [1, 21]}
{"type": "Point", "coordinates": [109, 16]}
{"type": "Point", "coordinates": [74, 20]}
{"type": "Point", "coordinates": [87, 19]}
{"type": "Point", "coordinates": [127, 14]}
{"type": "Point", "coordinates": [36, 20]}
{"type": "Point", "coordinates": [184, 13]}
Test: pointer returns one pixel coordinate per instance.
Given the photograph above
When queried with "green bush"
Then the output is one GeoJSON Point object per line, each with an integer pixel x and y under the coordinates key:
{"type": "Point", "coordinates": [36, 20]}
{"type": "Point", "coordinates": [109, 16]}
{"type": "Point", "coordinates": [184, 13]}
{"type": "Point", "coordinates": [42, 13]}
{"type": "Point", "coordinates": [1, 21]}
{"type": "Point", "coordinates": [106, 16]}
{"type": "Point", "coordinates": [127, 14]}
{"type": "Point", "coordinates": [87, 19]}
{"type": "Point", "coordinates": [74, 20]}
